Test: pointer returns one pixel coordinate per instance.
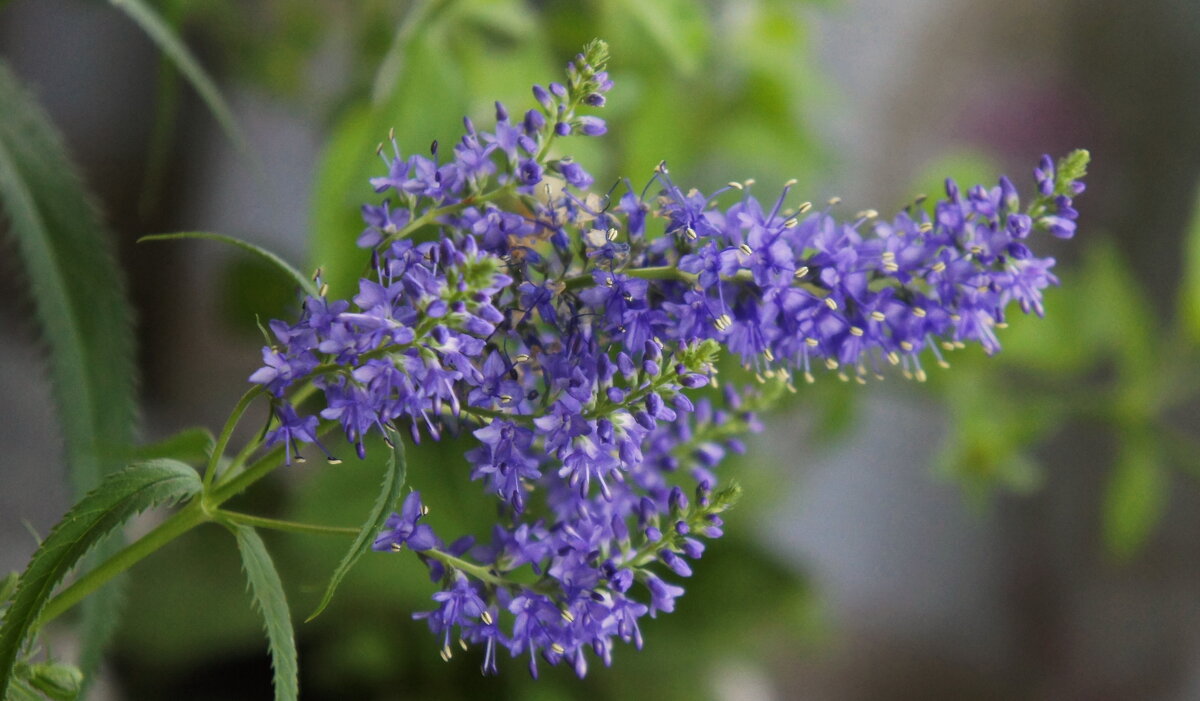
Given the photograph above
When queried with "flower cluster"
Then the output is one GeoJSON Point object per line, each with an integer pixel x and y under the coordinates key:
{"type": "Point", "coordinates": [574, 335]}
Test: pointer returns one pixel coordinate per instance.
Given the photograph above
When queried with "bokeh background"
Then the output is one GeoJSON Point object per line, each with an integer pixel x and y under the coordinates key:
{"type": "Point", "coordinates": [1020, 527]}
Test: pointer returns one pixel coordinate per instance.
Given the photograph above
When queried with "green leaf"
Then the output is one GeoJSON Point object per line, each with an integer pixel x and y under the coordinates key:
{"type": "Point", "coordinates": [680, 28]}
{"type": "Point", "coordinates": [304, 282]}
{"type": "Point", "coordinates": [191, 445]}
{"type": "Point", "coordinates": [1135, 496]}
{"type": "Point", "coordinates": [164, 36]}
{"type": "Point", "coordinates": [8, 585]}
{"type": "Point", "coordinates": [120, 496]}
{"type": "Point", "coordinates": [82, 310]}
{"type": "Point", "coordinates": [1189, 302]}
{"type": "Point", "coordinates": [393, 483]}
{"type": "Point", "coordinates": [269, 599]}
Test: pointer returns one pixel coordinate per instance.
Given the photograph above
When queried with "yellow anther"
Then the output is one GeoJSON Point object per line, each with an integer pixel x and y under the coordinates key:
{"type": "Point", "coordinates": [791, 183]}
{"type": "Point", "coordinates": [801, 271]}
{"type": "Point", "coordinates": [661, 167]}
{"type": "Point", "coordinates": [878, 316]}
{"type": "Point", "coordinates": [834, 200]}
{"type": "Point", "coordinates": [906, 346]}
{"type": "Point", "coordinates": [522, 358]}
{"type": "Point", "coordinates": [768, 355]}
{"type": "Point", "coordinates": [831, 363]}
{"type": "Point", "coordinates": [397, 547]}
{"type": "Point", "coordinates": [391, 133]}
{"type": "Point", "coordinates": [301, 459]}
{"type": "Point", "coordinates": [333, 461]}
{"type": "Point", "coordinates": [860, 379]}
{"type": "Point", "coordinates": [808, 377]}
{"type": "Point", "coordinates": [942, 363]}
{"type": "Point", "coordinates": [888, 255]}
{"type": "Point", "coordinates": [976, 249]}
{"type": "Point", "coordinates": [920, 375]}
{"type": "Point", "coordinates": [893, 357]}
{"type": "Point", "coordinates": [842, 376]}
{"type": "Point", "coordinates": [463, 644]}
{"type": "Point", "coordinates": [1002, 324]}
{"type": "Point", "coordinates": [446, 653]}
{"type": "Point", "coordinates": [690, 233]}
{"type": "Point", "coordinates": [424, 509]}
{"type": "Point", "coordinates": [938, 267]}
{"type": "Point", "coordinates": [811, 342]}
{"type": "Point", "coordinates": [568, 616]}
{"type": "Point", "coordinates": [735, 185]}
{"type": "Point", "coordinates": [925, 228]}
{"type": "Point", "coordinates": [791, 223]}
{"type": "Point", "coordinates": [486, 618]}
{"type": "Point", "coordinates": [745, 249]}
{"type": "Point", "coordinates": [749, 182]}
{"type": "Point", "coordinates": [804, 207]}
{"type": "Point", "coordinates": [866, 214]}
{"type": "Point", "coordinates": [612, 234]}
{"type": "Point", "coordinates": [855, 331]}
{"type": "Point", "coordinates": [558, 649]}
{"type": "Point", "coordinates": [890, 266]}
{"type": "Point", "coordinates": [324, 290]}
{"type": "Point", "coordinates": [919, 312]}
{"type": "Point", "coordinates": [608, 282]}
{"type": "Point", "coordinates": [831, 303]}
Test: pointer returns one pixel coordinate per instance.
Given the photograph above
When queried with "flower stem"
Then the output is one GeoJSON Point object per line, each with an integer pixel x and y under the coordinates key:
{"type": "Point", "coordinates": [281, 525]}
{"type": "Point", "coordinates": [231, 423]}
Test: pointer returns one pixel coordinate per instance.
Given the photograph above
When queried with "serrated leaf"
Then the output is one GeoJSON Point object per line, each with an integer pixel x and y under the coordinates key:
{"type": "Point", "coordinates": [267, 591]}
{"type": "Point", "coordinates": [119, 497]}
{"type": "Point", "coordinates": [1135, 496]}
{"type": "Point", "coordinates": [393, 483]}
{"type": "Point", "coordinates": [169, 43]}
{"type": "Point", "coordinates": [283, 266]}
{"type": "Point", "coordinates": [79, 296]}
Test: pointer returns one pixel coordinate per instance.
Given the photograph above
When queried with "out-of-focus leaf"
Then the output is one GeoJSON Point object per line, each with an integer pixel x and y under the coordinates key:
{"type": "Point", "coordinates": [1136, 495]}
{"type": "Point", "coordinates": [164, 36]}
{"type": "Point", "coordinates": [393, 482]}
{"type": "Point", "coordinates": [120, 496]}
{"type": "Point", "coordinates": [80, 300]}
{"type": "Point", "coordinates": [280, 264]}
{"type": "Point", "coordinates": [679, 28]}
{"type": "Point", "coordinates": [1189, 302]}
{"type": "Point", "coordinates": [267, 591]}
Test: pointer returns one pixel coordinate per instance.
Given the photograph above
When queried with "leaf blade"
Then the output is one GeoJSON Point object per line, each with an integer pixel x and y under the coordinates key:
{"type": "Point", "coordinates": [304, 282]}
{"type": "Point", "coordinates": [120, 496]}
{"type": "Point", "coordinates": [393, 483]}
{"type": "Point", "coordinates": [267, 592]}
{"type": "Point", "coordinates": [79, 296]}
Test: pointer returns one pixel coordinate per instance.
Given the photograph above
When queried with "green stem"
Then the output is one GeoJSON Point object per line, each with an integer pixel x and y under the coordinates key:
{"type": "Point", "coordinates": [231, 423]}
{"type": "Point", "coordinates": [198, 511]}
{"type": "Point", "coordinates": [181, 522]}
{"type": "Point", "coordinates": [276, 524]}
{"type": "Point", "coordinates": [476, 571]}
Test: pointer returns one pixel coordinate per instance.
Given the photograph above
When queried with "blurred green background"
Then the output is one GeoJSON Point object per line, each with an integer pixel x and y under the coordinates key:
{"type": "Point", "coordinates": [1020, 527]}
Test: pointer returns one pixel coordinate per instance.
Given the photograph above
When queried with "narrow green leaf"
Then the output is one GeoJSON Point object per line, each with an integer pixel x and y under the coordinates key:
{"type": "Point", "coordinates": [191, 445]}
{"type": "Point", "coordinates": [8, 585]}
{"type": "Point", "coordinates": [1135, 496]}
{"type": "Point", "coordinates": [393, 483]}
{"type": "Point", "coordinates": [1189, 290]}
{"type": "Point", "coordinates": [82, 310]}
{"type": "Point", "coordinates": [164, 36]}
{"type": "Point", "coordinates": [120, 496]}
{"type": "Point", "coordinates": [303, 281]}
{"type": "Point", "coordinates": [269, 599]}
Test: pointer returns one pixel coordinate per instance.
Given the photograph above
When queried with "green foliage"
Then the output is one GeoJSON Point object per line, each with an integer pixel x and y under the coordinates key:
{"type": "Point", "coordinates": [303, 281]}
{"type": "Point", "coordinates": [393, 483]}
{"type": "Point", "coordinates": [80, 300]}
{"type": "Point", "coordinates": [1189, 298]}
{"type": "Point", "coordinates": [119, 497]}
{"type": "Point", "coordinates": [267, 591]}
{"type": "Point", "coordinates": [1136, 495]}
{"type": "Point", "coordinates": [55, 681]}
